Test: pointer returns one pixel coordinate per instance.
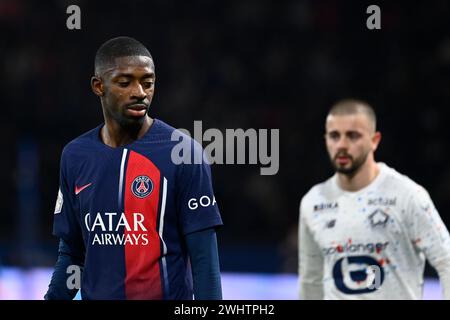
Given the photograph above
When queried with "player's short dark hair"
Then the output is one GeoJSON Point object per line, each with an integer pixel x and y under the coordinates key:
{"type": "Point", "coordinates": [118, 47]}
{"type": "Point", "coordinates": [353, 106]}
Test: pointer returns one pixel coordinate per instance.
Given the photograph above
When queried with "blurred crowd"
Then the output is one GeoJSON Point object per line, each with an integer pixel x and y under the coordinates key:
{"type": "Point", "coordinates": [232, 64]}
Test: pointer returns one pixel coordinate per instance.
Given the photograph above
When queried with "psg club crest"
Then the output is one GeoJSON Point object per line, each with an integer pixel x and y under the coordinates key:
{"type": "Point", "coordinates": [142, 186]}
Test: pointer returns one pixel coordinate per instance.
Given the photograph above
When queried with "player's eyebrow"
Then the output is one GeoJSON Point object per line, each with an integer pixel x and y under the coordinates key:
{"type": "Point", "coordinates": [130, 75]}
{"type": "Point", "coordinates": [331, 131]}
{"type": "Point", "coordinates": [347, 132]}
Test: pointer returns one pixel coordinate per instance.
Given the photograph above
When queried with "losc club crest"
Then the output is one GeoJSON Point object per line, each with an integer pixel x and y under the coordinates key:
{"type": "Point", "coordinates": [142, 186]}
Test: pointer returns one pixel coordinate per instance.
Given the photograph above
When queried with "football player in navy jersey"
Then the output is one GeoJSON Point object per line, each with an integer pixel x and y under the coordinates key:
{"type": "Point", "coordinates": [137, 224]}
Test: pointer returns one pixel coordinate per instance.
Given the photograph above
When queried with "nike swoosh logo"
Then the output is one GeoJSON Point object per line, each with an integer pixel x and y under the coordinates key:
{"type": "Point", "coordinates": [78, 190]}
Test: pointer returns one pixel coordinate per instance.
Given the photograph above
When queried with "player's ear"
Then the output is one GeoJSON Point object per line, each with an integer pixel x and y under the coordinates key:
{"type": "Point", "coordinates": [376, 140]}
{"type": "Point", "coordinates": [97, 86]}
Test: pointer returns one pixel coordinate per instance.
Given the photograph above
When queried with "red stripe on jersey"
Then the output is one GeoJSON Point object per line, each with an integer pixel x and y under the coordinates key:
{"type": "Point", "coordinates": [143, 279]}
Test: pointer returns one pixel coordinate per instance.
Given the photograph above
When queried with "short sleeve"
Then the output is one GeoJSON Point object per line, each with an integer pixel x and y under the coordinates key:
{"type": "Point", "coordinates": [197, 205]}
{"type": "Point", "coordinates": [426, 228]}
{"type": "Point", "coordinates": [66, 225]}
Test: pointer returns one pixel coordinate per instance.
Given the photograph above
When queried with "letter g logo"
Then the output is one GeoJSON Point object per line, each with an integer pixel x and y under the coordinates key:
{"type": "Point", "coordinates": [192, 204]}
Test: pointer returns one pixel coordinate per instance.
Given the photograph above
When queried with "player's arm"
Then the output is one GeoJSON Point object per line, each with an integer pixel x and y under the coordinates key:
{"type": "Point", "coordinates": [430, 235]}
{"type": "Point", "coordinates": [310, 266]}
{"type": "Point", "coordinates": [199, 217]}
{"type": "Point", "coordinates": [58, 288]}
{"type": "Point", "coordinates": [66, 227]}
{"type": "Point", "coordinates": [202, 247]}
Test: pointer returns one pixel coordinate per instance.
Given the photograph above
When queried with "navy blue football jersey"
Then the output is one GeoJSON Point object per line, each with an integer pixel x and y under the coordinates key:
{"type": "Point", "coordinates": [127, 210]}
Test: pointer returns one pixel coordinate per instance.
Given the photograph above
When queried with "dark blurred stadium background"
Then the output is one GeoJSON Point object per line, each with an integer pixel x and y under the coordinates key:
{"type": "Point", "coordinates": [232, 64]}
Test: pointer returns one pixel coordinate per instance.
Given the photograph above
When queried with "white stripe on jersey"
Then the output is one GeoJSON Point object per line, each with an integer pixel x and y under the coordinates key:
{"type": "Point", "coordinates": [161, 231]}
{"type": "Point", "coordinates": [122, 167]}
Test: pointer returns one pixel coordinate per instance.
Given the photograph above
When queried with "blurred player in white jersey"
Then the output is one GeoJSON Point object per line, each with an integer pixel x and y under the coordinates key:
{"type": "Point", "coordinates": [365, 232]}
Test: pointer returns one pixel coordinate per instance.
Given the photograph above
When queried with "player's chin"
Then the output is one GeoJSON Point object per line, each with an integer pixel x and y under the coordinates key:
{"type": "Point", "coordinates": [130, 121]}
{"type": "Point", "coordinates": [347, 170]}
{"type": "Point", "coordinates": [136, 118]}
{"type": "Point", "coordinates": [343, 167]}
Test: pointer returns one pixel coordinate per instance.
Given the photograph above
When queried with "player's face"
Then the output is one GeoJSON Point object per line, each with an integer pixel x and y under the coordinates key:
{"type": "Point", "coordinates": [128, 89]}
{"type": "Point", "coordinates": [350, 139]}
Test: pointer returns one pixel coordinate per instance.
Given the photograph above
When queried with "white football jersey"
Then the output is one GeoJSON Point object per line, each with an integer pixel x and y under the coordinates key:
{"type": "Point", "coordinates": [370, 244]}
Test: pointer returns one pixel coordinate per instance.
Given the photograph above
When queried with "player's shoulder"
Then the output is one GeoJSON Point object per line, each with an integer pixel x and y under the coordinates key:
{"type": "Point", "coordinates": [178, 139]}
{"type": "Point", "coordinates": [86, 142]}
{"type": "Point", "coordinates": [165, 133]}
{"type": "Point", "coordinates": [320, 191]}
{"type": "Point", "coordinates": [397, 181]}
{"type": "Point", "coordinates": [160, 131]}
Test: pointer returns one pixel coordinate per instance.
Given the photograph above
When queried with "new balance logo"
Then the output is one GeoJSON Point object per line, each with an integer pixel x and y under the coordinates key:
{"type": "Point", "coordinates": [79, 189]}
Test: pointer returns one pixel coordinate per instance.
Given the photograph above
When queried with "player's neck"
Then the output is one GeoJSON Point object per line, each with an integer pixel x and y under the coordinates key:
{"type": "Point", "coordinates": [361, 179]}
{"type": "Point", "coordinates": [114, 135]}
